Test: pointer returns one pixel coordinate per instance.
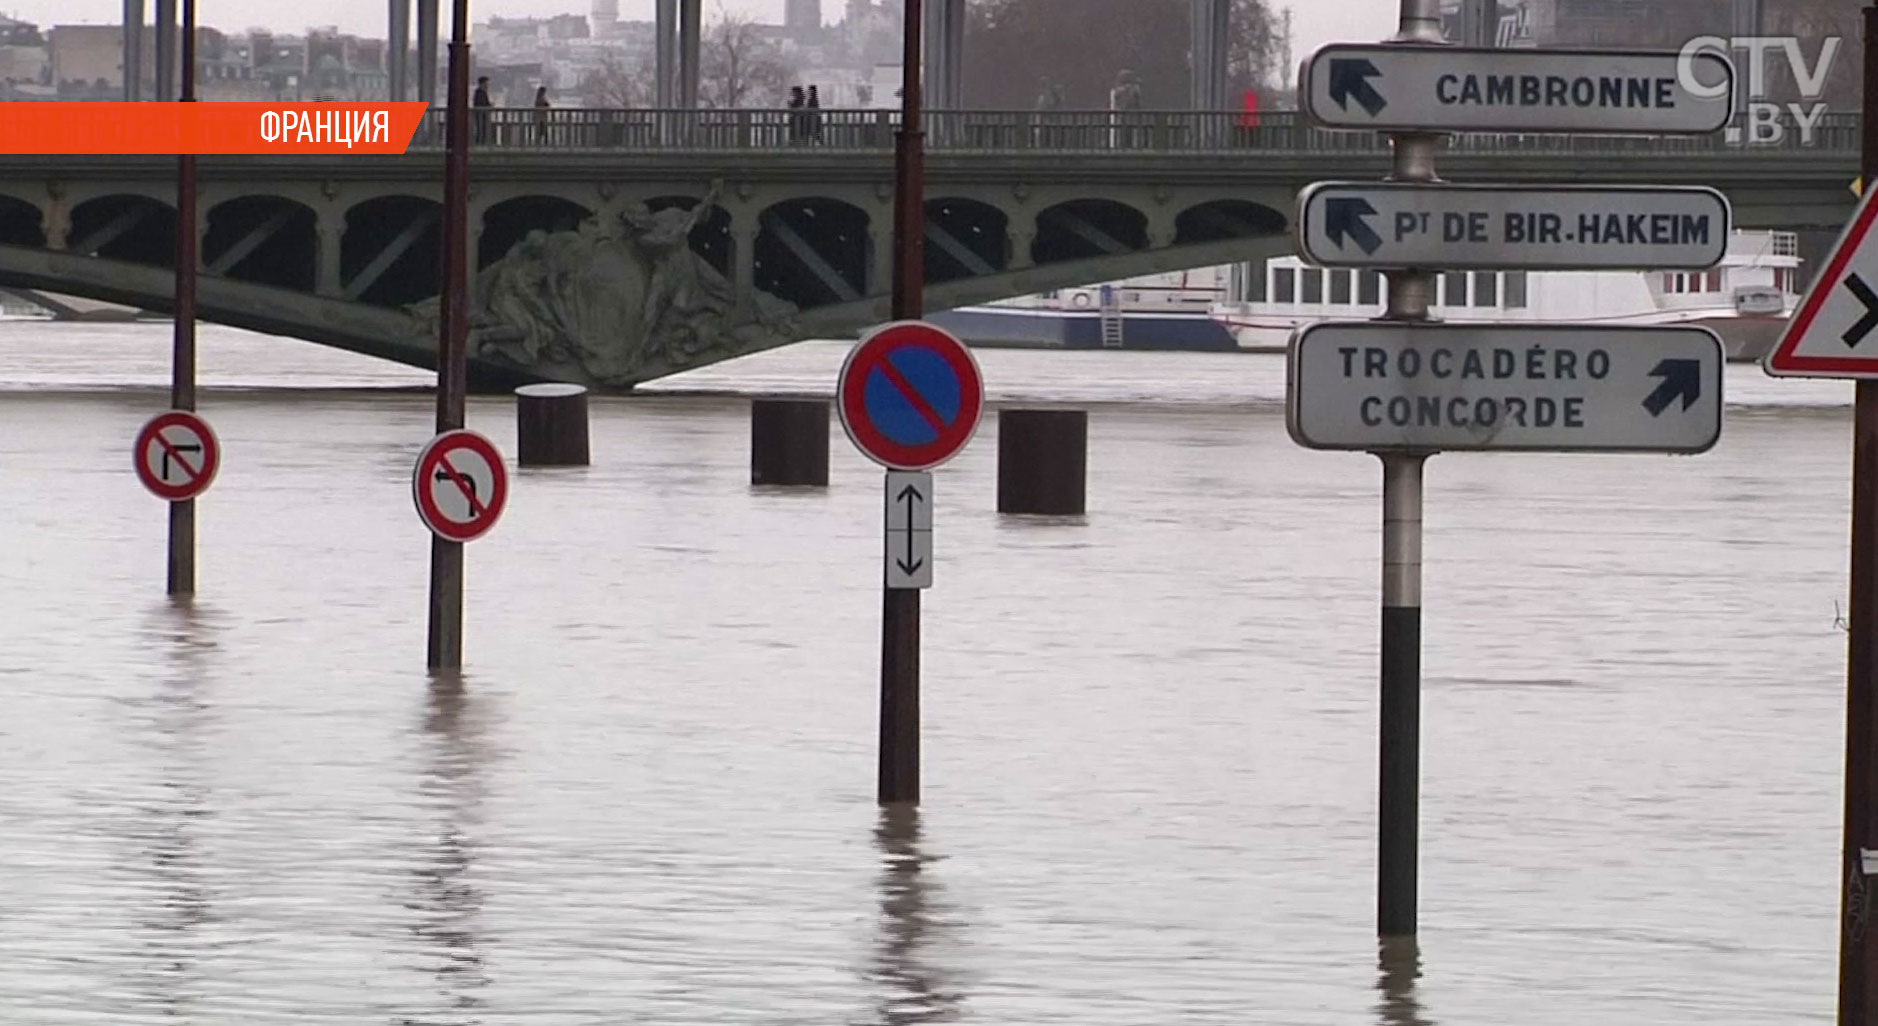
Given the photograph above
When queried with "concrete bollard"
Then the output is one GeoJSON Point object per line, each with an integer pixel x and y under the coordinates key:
{"type": "Point", "coordinates": [789, 442]}
{"type": "Point", "coordinates": [551, 426]}
{"type": "Point", "coordinates": [1043, 461]}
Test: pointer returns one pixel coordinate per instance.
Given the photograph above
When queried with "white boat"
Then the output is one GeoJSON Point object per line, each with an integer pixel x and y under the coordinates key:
{"type": "Point", "coordinates": [1173, 311]}
{"type": "Point", "coordinates": [1255, 307]}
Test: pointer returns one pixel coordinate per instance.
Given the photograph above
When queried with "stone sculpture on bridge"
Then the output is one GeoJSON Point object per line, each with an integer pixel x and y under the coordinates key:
{"type": "Point", "coordinates": [615, 301]}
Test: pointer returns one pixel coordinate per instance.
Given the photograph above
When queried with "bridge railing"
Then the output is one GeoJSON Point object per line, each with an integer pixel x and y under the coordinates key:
{"type": "Point", "coordinates": [1017, 132]}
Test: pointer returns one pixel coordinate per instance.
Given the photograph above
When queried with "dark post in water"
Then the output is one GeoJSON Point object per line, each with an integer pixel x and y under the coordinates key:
{"type": "Point", "coordinates": [551, 426]}
{"type": "Point", "coordinates": [182, 551]}
{"type": "Point", "coordinates": [1043, 462]}
{"type": "Point", "coordinates": [789, 442]}
{"type": "Point", "coordinates": [899, 623]}
{"type": "Point", "coordinates": [446, 557]}
{"type": "Point", "coordinates": [1411, 293]}
{"type": "Point", "coordinates": [1858, 957]}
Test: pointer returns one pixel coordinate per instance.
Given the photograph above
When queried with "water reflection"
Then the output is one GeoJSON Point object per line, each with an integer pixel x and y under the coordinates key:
{"type": "Point", "coordinates": [1399, 965]}
{"type": "Point", "coordinates": [170, 809]}
{"type": "Point", "coordinates": [448, 905]}
{"type": "Point", "coordinates": [914, 988]}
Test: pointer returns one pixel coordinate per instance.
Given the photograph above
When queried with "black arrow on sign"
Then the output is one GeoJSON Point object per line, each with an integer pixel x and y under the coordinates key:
{"type": "Point", "coordinates": [467, 483]}
{"type": "Point", "coordinates": [1856, 285]}
{"type": "Point", "coordinates": [1349, 80]}
{"type": "Point", "coordinates": [912, 497]}
{"type": "Point", "coordinates": [1344, 218]}
{"type": "Point", "coordinates": [1680, 378]}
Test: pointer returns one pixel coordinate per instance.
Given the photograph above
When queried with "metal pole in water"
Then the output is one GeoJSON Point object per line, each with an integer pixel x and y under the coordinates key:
{"type": "Point", "coordinates": [899, 625]}
{"type": "Point", "coordinates": [1858, 958]}
{"type": "Point", "coordinates": [182, 543]}
{"type": "Point", "coordinates": [1411, 293]}
{"type": "Point", "coordinates": [446, 557]}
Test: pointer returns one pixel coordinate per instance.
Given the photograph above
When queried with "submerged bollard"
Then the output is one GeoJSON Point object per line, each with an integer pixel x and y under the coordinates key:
{"type": "Point", "coordinates": [789, 442]}
{"type": "Point", "coordinates": [551, 426]}
{"type": "Point", "coordinates": [1043, 461]}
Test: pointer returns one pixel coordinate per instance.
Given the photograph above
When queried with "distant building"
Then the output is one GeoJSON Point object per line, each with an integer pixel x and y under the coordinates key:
{"type": "Point", "coordinates": [87, 61]}
{"type": "Point", "coordinates": [803, 15]}
{"type": "Point", "coordinates": [603, 21]}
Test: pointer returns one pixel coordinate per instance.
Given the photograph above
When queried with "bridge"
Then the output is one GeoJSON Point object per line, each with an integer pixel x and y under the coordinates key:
{"type": "Point", "coordinates": [614, 246]}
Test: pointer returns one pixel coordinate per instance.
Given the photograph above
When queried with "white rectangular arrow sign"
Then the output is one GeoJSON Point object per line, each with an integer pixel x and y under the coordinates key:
{"type": "Point", "coordinates": [1406, 87]}
{"type": "Point", "coordinates": [1375, 386]}
{"type": "Point", "coordinates": [909, 530]}
{"type": "Point", "coordinates": [1494, 227]}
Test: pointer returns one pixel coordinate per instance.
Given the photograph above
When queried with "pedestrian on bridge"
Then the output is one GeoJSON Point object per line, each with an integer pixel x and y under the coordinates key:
{"type": "Point", "coordinates": [480, 101]}
{"type": "Point", "coordinates": [815, 114]}
{"type": "Point", "coordinates": [797, 126]}
{"type": "Point", "coordinates": [541, 113]}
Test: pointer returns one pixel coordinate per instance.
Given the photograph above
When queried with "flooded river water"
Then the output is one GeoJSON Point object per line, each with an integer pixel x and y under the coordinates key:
{"type": "Point", "coordinates": [1151, 732]}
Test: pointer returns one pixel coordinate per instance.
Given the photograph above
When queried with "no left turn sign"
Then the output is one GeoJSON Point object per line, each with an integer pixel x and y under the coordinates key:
{"type": "Point", "coordinates": [177, 455]}
{"type": "Point", "coordinates": [460, 485]}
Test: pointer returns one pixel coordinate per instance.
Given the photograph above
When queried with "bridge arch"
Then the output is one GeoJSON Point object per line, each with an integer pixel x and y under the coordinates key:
{"type": "Point", "coordinates": [965, 238]}
{"type": "Point", "coordinates": [1080, 229]}
{"type": "Point", "coordinates": [711, 238]}
{"type": "Point", "coordinates": [21, 223]}
{"type": "Point", "coordinates": [506, 223]}
{"type": "Point", "coordinates": [266, 239]}
{"type": "Point", "coordinates": [1223, 219]}
{"type": "Point", "coordinates": [814, 250]}
{"type": "Point", "coordinates": [391, 251]}
{"type": "Point", "coordinates": [124, 226]}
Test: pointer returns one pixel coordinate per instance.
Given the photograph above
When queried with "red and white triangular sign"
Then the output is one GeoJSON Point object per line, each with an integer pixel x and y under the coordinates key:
{"type": "Point", "coordinates": [1834, 333]}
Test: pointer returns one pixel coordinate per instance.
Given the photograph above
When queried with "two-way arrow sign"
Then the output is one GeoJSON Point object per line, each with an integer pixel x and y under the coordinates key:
{"type": "Point", "coordinates": [909, 530]}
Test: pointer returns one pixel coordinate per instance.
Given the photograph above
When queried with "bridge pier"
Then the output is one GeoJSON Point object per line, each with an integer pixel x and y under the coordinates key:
{"type": "Point", "coordinates": [879, 265]}
{"type": "Point", "coordinates": [678, 33]}
{"type": "Point", "coordinates": [164, 88]}
{"type": "Point", "coordinates": [397, 50]}
{"type": "Point", "coordinates": [665, 53]}
{"type": "Point", "coordinates": [330, 231]}
{"type": "Point", "coordinates": [133, 50]}
{"type": "Point", "coordinates": [943, 61]}
{"type": "Point", "coordinates": [1018, 257]}
{"type": "Point", "coordinates": [690, 44]}
{"type": "Point", "coordinates": [427, 50]}
{"type": "Point", "coordinates": [56, 218]}
{"type": "Point", "coordinates": [743, 267]}
{"type": "Point", "coordinates": [1212, 34]}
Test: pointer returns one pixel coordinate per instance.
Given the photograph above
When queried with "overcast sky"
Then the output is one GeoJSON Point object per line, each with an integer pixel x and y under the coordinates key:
{"type": "Point", "coordinates": [1315, 21]}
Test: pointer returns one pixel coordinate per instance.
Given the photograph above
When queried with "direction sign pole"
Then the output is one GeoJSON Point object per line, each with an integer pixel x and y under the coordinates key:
{"type": "Point", "coordinates": [182, 539]}
{"type": "Point", "coordinates": [897, 780]}
{"type": "Point", "coordinates": [446, 556]}
{"type": "Point", "coordinates": [1858, 958]}
{"type": "Point", "coordinates": [1411, 293]}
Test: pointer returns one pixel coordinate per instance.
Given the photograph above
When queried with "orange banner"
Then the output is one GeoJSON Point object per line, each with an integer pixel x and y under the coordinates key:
{"type": "Point", "coordinates": [207, 128]}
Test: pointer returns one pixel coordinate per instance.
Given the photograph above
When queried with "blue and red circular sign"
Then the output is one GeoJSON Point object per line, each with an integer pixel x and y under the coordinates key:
{"type": "Point", "coordinates": [909, 395]}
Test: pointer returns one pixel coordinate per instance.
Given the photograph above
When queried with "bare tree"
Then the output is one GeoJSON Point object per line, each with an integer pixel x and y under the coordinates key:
{"type": "Point", "coordinates": [1014, 46]}
{"type": "Point", "coordinates": [615, 84]}
{"type": "Point", "coordinates": [739, 64]}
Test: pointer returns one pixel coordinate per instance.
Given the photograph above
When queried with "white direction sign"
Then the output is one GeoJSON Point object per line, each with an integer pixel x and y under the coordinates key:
{"type": "Point", "coordinates": [1460, 89]}
{"type": "Point", "coordinates": [1492, 227]}
{"type": "Point", "coordinates": [1834, 331]}
{"type": "Point", "coordinates": [909, 530]}
{"type": "Point", "coordinates": [1374, 386]}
